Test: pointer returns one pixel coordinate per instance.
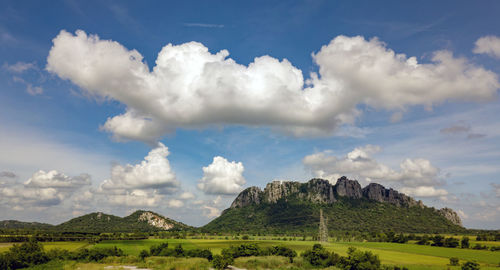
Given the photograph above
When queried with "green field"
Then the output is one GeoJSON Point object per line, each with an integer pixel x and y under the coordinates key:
{"type": "Point", "coordinates": [410, 255]}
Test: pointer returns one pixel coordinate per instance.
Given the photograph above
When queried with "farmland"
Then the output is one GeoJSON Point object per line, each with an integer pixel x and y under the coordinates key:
{"type": "Point", "coordinates": [411, 255]}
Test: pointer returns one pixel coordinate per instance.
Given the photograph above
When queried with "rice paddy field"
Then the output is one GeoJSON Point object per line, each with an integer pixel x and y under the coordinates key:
{"type": "Point", "coordinates": [409, 255]}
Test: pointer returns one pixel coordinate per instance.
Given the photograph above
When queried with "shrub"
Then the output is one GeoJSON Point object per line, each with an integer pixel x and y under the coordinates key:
{"type": "Point", "coordinates": [469, 265]}
{"type": "Point", "coordinates": [245, 237]}
{"type": "Point", "coordinates": [156, 250]}
{"type": "Point", "coordinates": [359, 260]}
{"type": "Point", "coordinates": [24, 255]}
{"type": "Point", "coordinates": [464, 243]}
{"type": "Point", "coordinates": [319, 256]}
{"type": "Point", "coordinates": [454, 261]}
{"type": "Point", "coordinates": [143, 254]}
{"type": "Point", "coordinates": [222, 261]}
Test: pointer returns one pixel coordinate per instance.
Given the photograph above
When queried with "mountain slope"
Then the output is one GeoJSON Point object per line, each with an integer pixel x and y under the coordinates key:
{"type": "Point", "coordinates": [295, 207]}
{"type": "Point", "coordinates": [15, 224]}
{"type": "Point", "coordinates": [139, 221]}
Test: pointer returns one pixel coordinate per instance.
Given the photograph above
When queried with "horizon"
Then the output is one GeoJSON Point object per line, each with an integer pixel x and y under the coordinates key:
{"type": "Point", "coordinates": [177, 107]}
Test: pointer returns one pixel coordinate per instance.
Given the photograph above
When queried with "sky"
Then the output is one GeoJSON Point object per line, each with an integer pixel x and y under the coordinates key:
{"type": "Point", "coordinates": [116, 106]}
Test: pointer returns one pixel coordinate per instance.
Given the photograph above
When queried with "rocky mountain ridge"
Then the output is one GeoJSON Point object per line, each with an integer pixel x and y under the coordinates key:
{"type": "Point", "coordinates": [322, 191]}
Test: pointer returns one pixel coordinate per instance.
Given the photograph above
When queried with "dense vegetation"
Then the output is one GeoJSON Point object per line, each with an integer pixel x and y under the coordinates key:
{"type": "Point", "coordinates": [32, 253]}
{"type": "Point", "coordinates": [345, 215]}
{"type": "Point", "coordinates": [99, 222]}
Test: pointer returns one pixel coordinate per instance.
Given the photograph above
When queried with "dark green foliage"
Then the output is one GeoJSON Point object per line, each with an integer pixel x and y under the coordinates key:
{"type": "Point", "coordinates": [451, 242]}
{"type": "Point", "coordinates": [99, 222]}
{"type": "Point", "coordinates": [359, 260]}
{"type": "Point", "coordinates": [495, 248]}
{"type": "Point", "coordinates": [143, 254]}
{"type": "Point", "coordinates": [221, 261]}
{"type": "Point", "coordinates": [454, 261]}
{"type": "Point", "coordinates": [318, 256]}
{"type": "Point", "coordinates": [480, 247]}
{"type": "Point", "coordinates": [157, 249]}
{"type": "Point", "coordinates": [23, 255]}
{"type": "Point", "coordinates": [244, 250]}
{"type": "Point", "coordinates": [299, 216]}
{"type": "Point", "coordinates": [470, 266]}
{"type": "Point", "coordinates": [464, 243]}
{"type": "Point", "coordinates": [245, 237]}
{"type": "Point", "coordinates": [14, 224]}
{"type": "Point", "coordinates": [95, 254]}
{"type": "Point", "coordinates": [178, 251]}
{"type": "Point", "coordinates": [438, 240]}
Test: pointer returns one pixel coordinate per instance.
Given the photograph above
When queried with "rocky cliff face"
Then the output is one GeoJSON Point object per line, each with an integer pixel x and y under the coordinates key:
{"type": "Point", "coordinates": [322, 191]}
{"type": "Point", "coordinates": [348, 188]}
{"type": "Point", "coordinates": [450, 215]}
{"type": "Point", "coordinates": [155, 221]}
{"type": "Point", "coordinates": [379, 193]}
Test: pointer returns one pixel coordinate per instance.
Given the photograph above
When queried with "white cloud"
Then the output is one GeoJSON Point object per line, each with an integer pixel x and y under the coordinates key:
{"type": "Point", "coordinates": [489, 45]}
{"type": "Point", "coordinates": [186, 196]}
{"type": "Point", "coordinates": [222, 177]}
{"type": "Point", "coordinates": [135, 198]}
{"type": "Point", "coordinates": [153, 172]}
{"type": "Point", "coordinates": [418, 175]}
{"type": "Point", "coordinates": [43, 189]}
{"type": "Point", "coordinates": [19, 67]}
{"type": "Point", "coordinates": [190, 87]}
{"type": "Point", "coordinates": [175, 203]}
{"type": "Point", "coordinates": [210, 212]}
{"type": "Point", "coordinates": [34, 90]}
{"type": "Point", "coordinates": [56, 179]}
{"type": "Point", "coordinates": [424, 191]}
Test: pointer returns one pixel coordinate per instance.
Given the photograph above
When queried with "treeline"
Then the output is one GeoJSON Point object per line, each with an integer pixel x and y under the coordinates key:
{"type": "Point", "coordinates": [31, 253]}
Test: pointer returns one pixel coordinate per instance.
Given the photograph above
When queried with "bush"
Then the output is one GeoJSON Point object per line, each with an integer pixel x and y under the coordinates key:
{"type": "Point", "coordinates": [469, 265]}
{"type": "Point", "coordinates": [451, 242]}
{"type": "Point", "coordinates": [454, 261]}
{"type": "Point", "coordinates": [245, 237]}
{"type": "Point", "coordinates": [222, 261]}
{"type": "Point", "coordinates": [359, 260]}
{"type": "Point", "coordinates": [24, 255]}
{"type": "Point", "coordinates": [319, 256]}
{"type": "Point", "coordinates": [143, 254]}
{"type": "Point", "coordinates": [464, 243]}
{"type": "Point", "coordinates": [156, 250]}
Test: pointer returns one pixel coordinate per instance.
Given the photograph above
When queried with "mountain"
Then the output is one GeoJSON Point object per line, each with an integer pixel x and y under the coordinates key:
{"type": "Point", "coordinates": [139, 221]}
{"type": "Point", "coordinates": [14, 224]}
{"type": "Point", "coordinates": [285, 206]}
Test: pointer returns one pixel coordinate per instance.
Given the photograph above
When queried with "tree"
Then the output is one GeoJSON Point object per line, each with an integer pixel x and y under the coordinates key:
{"type": "Point", "coordinates": [465, 242]}
{"type": "Point", "coordinates": [144, 253]}
{"type": "Point", "coordinates": [454, 261]}
{"type": "Point", "coordinates": [470, 265]}
{"type": "Point", "coordinates": [221, 262]}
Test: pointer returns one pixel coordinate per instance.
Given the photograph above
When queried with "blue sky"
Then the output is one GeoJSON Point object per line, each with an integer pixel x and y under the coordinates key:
{"type": "Point", "coordinates": [70, 122]}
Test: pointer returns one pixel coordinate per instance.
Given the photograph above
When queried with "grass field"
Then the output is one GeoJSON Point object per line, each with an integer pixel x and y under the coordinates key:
{"type": "Point", "coordinates": [410, 255]}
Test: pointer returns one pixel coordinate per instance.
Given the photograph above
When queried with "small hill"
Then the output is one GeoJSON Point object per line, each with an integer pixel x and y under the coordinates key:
{"type": "Point", "coordinates": [294, 207]}
{"type": "Point", "coordinates": [139, 221]}
{"type": "Point", "coordinates": [15, 224]}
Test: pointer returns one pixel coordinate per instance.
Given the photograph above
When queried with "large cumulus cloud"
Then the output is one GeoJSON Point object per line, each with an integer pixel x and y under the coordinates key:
{"type": "Point", "coordinates": [190, 87]}
{"type": "Point", "coordinates": [417, 177]}
{"type": "Point", "coordinates": [222, 177]}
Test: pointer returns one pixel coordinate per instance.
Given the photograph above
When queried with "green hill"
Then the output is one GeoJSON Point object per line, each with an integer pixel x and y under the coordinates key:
{"type": "Point", "coordinates": [295, 207]}
{"type": "Point", "coordinates": [139, 221]}
{"type": "Point", "coordinates": [14, 224]}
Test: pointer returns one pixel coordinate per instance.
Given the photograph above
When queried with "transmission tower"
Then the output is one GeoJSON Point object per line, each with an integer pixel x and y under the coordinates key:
{"type": "Point", "coordinates": [323, 228]}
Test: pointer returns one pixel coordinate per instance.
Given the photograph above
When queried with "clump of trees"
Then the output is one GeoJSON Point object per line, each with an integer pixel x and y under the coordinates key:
{"type": "Point", "coordinates": [245, 250]}
{"type": "Point", "coordinates": [318, 256]}
{"type": "Point", "coordinates": [177, 251]}
{"type": "Point", "coordinates": [31, 253]}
